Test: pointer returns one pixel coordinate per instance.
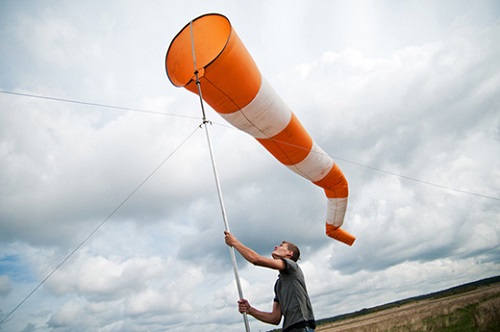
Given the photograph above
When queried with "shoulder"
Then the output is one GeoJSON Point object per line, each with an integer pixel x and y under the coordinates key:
{"type": "Point", "coordinates": [290, 266]}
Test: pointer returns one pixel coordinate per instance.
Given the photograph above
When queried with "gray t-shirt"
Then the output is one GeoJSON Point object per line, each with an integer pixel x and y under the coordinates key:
{"type": "Point", "coordinates": [291, 293]}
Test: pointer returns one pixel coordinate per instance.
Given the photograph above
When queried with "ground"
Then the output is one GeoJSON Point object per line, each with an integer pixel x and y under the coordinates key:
{"type": "Point", "coordinates": [475, 310]}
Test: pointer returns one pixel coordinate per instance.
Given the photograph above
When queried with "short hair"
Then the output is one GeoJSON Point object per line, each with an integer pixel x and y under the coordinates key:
{"type": "Point", "coordinates": [293, 248]}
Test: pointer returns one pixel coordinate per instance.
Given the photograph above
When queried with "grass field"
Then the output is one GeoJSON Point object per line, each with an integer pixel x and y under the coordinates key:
{"type": "Point", "coordinates": [462, 309]}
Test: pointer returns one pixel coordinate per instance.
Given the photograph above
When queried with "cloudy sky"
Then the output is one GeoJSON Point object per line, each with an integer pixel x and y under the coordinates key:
{"type": "Point", "coordinates": [118, 207]}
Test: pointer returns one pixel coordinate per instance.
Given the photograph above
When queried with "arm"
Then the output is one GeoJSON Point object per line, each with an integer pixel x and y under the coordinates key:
{"type": "Point", "coordinates": [273, 317]}
{"type": "Point", "coordinates": [251, 256]}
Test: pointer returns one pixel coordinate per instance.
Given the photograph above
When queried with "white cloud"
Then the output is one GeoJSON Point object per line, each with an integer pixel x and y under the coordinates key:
{"type": "Point", "coordinates": [5, 285]}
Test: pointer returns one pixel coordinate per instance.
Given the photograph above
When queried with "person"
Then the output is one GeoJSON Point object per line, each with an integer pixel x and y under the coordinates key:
{"type": "Point", "coordinates": [291, 299]}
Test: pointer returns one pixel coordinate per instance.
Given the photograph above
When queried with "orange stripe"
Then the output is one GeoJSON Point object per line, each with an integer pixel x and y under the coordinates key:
{"type": "Point", "coordinates": [229, 76]}
{"type": "Point", "coordinates": [210, 36]}
{"type": "Point", "coordinates": [340, 235]}
{"type": "Point", "coordinates": [334, 183]}
{"type": "Point", "coordinates": [291, 145]}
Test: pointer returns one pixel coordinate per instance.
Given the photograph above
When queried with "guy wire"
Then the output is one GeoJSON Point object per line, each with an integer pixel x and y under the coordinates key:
{"type": "Point", "coordinates": [98, 226]}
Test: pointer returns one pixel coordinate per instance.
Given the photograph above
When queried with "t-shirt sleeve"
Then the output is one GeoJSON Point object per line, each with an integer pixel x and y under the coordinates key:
{"type": "Point", "coordinates": [290, 266]}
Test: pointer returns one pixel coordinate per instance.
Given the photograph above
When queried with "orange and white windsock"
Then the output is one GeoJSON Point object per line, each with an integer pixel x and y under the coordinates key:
{"type": "Point", "coordinates": [233, 86]}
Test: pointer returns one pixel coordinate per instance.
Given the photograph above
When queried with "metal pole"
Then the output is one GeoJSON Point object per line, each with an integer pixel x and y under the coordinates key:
{"type": "Point", "coordinates": [217, 182]}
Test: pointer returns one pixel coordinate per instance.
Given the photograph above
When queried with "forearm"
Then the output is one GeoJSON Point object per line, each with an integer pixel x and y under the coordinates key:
{"type": "Point", "coordinates": [266, 317]}
{"type": "Point", "coordinates": [247, 253]}
{"type": "Point", "coordinates": [251, 256]}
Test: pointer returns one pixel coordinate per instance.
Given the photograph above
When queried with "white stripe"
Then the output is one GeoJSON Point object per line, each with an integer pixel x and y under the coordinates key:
{"type": "Point", "coordinates": [315, 166]}
{"type": "Point", "coordinates": [335, 211]}
{"type": "Point", "coordinates": [264, 117]}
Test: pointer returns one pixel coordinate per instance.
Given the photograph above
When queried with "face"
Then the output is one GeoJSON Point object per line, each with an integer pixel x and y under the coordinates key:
{"type": "Point", "coordinates": [281, 251]}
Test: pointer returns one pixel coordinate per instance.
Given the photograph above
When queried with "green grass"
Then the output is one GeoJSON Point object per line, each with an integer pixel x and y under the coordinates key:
{"type": "Point", "coordinates": [461, 320]}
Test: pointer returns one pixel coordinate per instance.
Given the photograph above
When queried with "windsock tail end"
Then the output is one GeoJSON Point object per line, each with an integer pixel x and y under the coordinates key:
{"type": "Point", "coordinates": [340, 234]}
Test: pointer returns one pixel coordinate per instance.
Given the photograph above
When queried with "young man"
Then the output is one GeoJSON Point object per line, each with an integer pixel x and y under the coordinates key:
{"type": "Point", "coordinates": [291, 299]}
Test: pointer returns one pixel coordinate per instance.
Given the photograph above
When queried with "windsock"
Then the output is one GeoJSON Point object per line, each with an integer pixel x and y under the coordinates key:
{"type": "Point", "coordinates": [233, 86]}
